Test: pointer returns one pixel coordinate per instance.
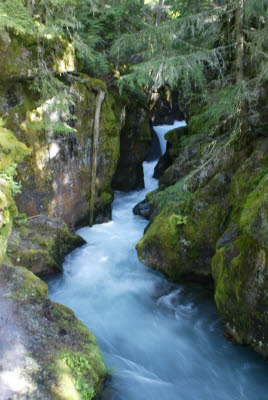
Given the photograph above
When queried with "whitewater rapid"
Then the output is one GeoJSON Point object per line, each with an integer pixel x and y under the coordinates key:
{"type": "Point", "coordinates": [160, 341]}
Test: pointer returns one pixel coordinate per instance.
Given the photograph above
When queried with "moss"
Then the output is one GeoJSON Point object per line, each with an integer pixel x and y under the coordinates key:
{"type": "Point", "coordinates": [241, 293]}
{"type": "Point", "coordinates": [109, 149]}
{"type": "Point", "coordinates": [245, 179]}
{"type": "Point", "coordinates": [28, 287]}
{"type": "Point", "coordinates": [158, 247]}
{"type": "Point", "coordinates": [79, 370]}
{"type": "Point", "coordinates": [109, 124]}
{"type": "Point", "coordinates": [11, 150]}
{"type": "Point", "coordinates": [176, 141]}
{"type": "Point", "coordinates": [106, 197]}
{"type": "Point", "coordinates": [8, 211]}
{"type": "Point", "coordinates": [41, 245]}
{"type": "Point", "coordinates": [190, 245]}
{"type": "Point", "coordinates": [65, 360]}
{"type": "Point", "coordinates": [20, 56]}
{"type": "Point", "coordinates": [254, 214]}
{"type": "Point", "coordinates": [78, 373]}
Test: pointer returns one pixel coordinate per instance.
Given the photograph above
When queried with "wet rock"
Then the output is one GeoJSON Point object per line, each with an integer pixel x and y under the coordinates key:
{"type": "Point", "coordinates": [142, 209]}
{"type": "Point", "coordinates": [155, 149]}
{"type": "Point", "coordinates": [41, 244]}
{"type": "Point", "coordinates": [163, 164]}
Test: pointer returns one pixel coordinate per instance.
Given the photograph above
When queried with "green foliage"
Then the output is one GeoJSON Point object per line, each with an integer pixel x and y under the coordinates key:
{"type": "Point", "coordinates": [55, 102]}
{"type": "Point", "coordinates": [80, 367]}
{"type": "Point", "coordinates": [176, 196]}
{"type": "Point", "coordinates": [175, 53]}
{"type": "Point", "coordinates": [22, 217]}
{"type": "Point", "coordinates": [9, 176]}
{"type": "Point", "coordinates": [259, 178]}
{"type": "Point", "coordinates": [221, 108]}
{"type": "Point", "coordinates": [14, 15]}
{"type": "Point", "coordinates": [179, 219]}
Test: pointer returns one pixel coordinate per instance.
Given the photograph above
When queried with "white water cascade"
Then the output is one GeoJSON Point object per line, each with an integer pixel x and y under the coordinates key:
{"type": "Point", "coordinates": [161, 341]}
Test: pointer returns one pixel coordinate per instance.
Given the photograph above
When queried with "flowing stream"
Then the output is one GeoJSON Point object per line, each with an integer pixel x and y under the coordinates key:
{"type": "Point", "coordinates": [160, 341]}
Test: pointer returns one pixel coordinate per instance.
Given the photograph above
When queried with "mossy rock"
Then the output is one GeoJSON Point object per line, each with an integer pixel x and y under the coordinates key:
{"type": "Point", "coordinates": [11, 150]}
{"type": "Point", "coordinates": [8, 211]}
{"type": "Point", "coordinates": [184, 247]}
{"type": "Point", "coordinates": [176, 141]}
{"type": "Point", "coordinates": [20, 59]}
{"type": "Point", "coordinates": [240, 265]}
{"type": "Point", "coordinates": [240, 272]}
{"type": "Point", "coordinates": [254, 217]}
{"type": "Point", "coordinates": [157, 248]}
{"type": "Point", "coordinates": [56, 178]}
{"type": "Point", "coordinates": [56, 356]}
{"type": "Point", "coordinates": [40, 244]}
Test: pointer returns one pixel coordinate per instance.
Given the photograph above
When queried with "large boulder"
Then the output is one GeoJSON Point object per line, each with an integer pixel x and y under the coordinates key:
{"type": "Point", "coordinates": [181, 239]}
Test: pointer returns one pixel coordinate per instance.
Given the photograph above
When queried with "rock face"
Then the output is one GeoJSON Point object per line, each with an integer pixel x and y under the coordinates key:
{"type": "Point", "coordinates": [40, 244]}
{"type": "Point", "coordinates": [56, 177]}
{"type": "Point", "coordinates": [135, 140]}
{"type": "Point", "coordinates": [209, 220]}
{"type": "Point", "coordinates": [45, 351]}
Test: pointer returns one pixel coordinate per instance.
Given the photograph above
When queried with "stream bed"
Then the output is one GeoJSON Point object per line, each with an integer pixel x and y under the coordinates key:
{"type": "Point", "coordinates": [160, 341]}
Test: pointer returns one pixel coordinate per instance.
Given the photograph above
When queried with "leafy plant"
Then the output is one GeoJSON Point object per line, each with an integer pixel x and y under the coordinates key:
{"type": "Point", "coordinates": [8, 175]}
{"type": "Point", "coordinates": [80, 367]}
{"type": "Point", "coordinates": [180, 219]}
{"type": "Point", "coordinates": [22, 217]}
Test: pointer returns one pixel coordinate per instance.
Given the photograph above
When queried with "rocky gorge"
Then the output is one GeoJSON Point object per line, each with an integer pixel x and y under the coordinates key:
{"type": "Point", "coordinates": [54, 171]}
{"type": "Point", "coordinates": [208, 218]}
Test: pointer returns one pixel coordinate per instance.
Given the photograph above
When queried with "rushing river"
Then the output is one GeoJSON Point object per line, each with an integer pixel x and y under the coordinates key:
{"type": "Point", "coordinates": [160, 341]}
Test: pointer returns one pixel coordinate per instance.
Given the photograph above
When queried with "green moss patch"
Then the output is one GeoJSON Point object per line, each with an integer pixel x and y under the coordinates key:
{"type": "Point", "coordinates": [11, 150]}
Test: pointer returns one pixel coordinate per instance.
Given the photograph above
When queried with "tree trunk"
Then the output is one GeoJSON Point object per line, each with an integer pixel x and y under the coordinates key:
{"type": "Point", "coordinates": [159, 12]}
{"type": "Point", "coordinates": [96, 133]}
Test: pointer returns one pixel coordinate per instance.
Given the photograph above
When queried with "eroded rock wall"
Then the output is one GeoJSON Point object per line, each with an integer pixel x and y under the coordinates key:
{"type": "Point", "coordinates": [135, 141]}
{"type": "Point", "coordinates": [56, 177]}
